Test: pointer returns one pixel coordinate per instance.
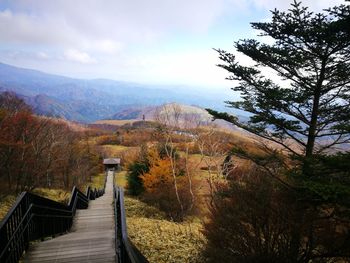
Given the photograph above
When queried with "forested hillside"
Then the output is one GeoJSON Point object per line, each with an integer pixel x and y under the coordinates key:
{"type": "Point", "coordinates": [41, 151]}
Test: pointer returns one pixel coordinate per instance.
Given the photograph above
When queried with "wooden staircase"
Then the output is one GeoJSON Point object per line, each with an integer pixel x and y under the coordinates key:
{"type": "Point", "coordinates": [91, 238]}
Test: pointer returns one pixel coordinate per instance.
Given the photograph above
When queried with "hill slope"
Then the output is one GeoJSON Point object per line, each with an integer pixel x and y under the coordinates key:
{"type": "Point", "coordinates": [186, 115]}
{"type": "Point", "coordinates": [90, 100]}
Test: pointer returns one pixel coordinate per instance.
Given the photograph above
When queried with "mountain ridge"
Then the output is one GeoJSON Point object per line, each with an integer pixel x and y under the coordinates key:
{"type": "Point", "coordinates": [88, 100]}
{"type": "Point", "coordinates": [189, 116]}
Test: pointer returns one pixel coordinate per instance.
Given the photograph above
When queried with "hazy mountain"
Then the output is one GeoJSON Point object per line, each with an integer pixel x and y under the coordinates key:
{"type": "Point", "coordinates": [90, 100]}
{"type": "Point", "coordinates": [152, 112]}
{"type": "Point", "coordinates": [188, 115]}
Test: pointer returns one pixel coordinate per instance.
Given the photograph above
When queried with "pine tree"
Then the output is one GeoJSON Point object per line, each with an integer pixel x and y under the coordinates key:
{"type": "Point", "coordinates": [305, 109]}
{"type": "Point", "coordinates": [310, 106]}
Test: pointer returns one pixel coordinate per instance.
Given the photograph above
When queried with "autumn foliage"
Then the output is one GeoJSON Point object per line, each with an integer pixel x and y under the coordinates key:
{"type": "Point", "coordinates": [160, 189]}
{"type": "Point", "coordinates": [38, 151]}
{"type": "Point", "coordinates": [162, 182]}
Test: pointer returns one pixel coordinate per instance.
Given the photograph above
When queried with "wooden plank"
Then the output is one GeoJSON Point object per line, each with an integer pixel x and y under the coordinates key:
{"type": "Point", "coordinates": [91, 238]}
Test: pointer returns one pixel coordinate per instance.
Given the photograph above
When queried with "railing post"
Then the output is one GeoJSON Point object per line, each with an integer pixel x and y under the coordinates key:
{"type": "Point", "coordinates": [24, 207]}
{"type": "Point", "coordinates": [125, 250]}
{"type": "Point", "coordinates": [3, 243]}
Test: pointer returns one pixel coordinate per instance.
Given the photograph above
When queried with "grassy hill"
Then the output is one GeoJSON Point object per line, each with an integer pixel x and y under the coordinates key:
{"type": "Point", "coordinates": [188, 116]}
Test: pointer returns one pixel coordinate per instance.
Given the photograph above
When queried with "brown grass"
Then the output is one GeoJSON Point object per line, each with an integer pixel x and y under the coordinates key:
{"type": "Point", "coordinates": [116, 150]}
{"type": "Point", "coordinates": [59, 195]}
{"type": "Point", "coordinates": [116, 122]}
{"type": "Point", "coordinates": [97, 182]}
{"type": "Point", "coordinates": [5, 204]}
{"type": "Point", "coordinates": [120, 179]}
{"type": "Point", "coordinates": [161, 240]}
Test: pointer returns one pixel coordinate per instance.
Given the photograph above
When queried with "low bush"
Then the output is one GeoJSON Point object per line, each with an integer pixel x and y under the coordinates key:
{"type": "Point", "coordinates": [254, 219]}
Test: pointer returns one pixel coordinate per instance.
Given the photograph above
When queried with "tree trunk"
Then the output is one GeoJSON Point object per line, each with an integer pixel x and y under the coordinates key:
{"type": "Point", "coordinates": [309, 150]}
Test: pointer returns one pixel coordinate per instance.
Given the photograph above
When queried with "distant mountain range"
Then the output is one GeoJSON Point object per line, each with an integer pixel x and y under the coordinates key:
{"type": "Point", "coordinates": [90, 100]}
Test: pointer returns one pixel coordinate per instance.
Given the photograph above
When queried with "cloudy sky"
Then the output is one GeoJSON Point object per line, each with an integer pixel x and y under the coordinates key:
{"type": "Point", "coordinates": [145, 41]}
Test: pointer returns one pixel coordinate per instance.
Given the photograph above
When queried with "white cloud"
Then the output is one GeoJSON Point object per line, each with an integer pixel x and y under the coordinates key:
{"type": "Point", "coordinates": [101, 35]}
{"type": "Point", "coordinates": [78, 56]}
{"type": "Point", "coordinates": [191, 67]}
{"type": "Point", "coordinates": [42, 55]}
{"type": "Point", "coordinates": [23, 28]}
{"type": "Point", "coordinates": [106, 46]}
{"type": "Point", "coordinates": [6, 14]}
{"type": "Point", "coordinates": [104, 24]}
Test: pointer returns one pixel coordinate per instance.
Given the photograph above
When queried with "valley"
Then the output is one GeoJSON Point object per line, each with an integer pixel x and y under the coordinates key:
{"type": "Point", "coordinates": [86, 101]}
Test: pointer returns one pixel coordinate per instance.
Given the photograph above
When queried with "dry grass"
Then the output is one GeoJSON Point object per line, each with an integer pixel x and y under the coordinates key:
{"type": "Point", "coordinates": [5, 204]}
{"type": "Point", "coordinates": [116, 122]}
{"type": "Point", "coordinates": [97, 182]}
{"type": "Point", "coordinates": [161, 240]}
{"type": "Point", "coordinates": [58, 195]}
{"type": "Point", "coordinates": [116, 149]}
{"type": "Point", "coordinates": [120, 179]}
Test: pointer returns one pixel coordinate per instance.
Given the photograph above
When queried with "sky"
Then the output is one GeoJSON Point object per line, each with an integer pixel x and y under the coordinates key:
{"type": "Point", "coordinates": [144, 41]}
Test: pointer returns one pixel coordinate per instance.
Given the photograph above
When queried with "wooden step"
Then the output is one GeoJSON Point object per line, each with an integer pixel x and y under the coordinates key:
{"type": "Point", "coordinates": [91, 238]}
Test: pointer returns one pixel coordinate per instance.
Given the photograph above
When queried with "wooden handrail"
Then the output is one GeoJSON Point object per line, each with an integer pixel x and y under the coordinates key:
{"type": "Point", "coordinates": [126, 251]}
{"type": "Point", "coordinates": [34, 217]}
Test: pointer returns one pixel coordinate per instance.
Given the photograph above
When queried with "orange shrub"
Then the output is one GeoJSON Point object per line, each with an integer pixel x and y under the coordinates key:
{"type": "Point", "coordinates": [158, 177]}
{"type": "Point", "coordinates": [161, 189]}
